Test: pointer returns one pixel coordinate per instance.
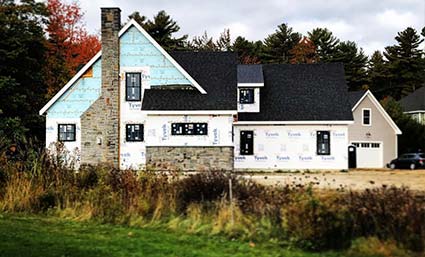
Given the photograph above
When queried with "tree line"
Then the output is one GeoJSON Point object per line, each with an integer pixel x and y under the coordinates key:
{"type": "Point", "coordinates": [44, 44]}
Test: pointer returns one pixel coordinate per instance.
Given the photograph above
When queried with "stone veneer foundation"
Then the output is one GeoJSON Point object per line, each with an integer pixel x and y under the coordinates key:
{"type": "Point", "coordinates": [190, 158]}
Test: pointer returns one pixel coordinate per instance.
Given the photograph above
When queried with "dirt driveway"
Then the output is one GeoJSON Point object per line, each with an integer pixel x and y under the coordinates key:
{"type": "Point", "coordinates": [354, 179]}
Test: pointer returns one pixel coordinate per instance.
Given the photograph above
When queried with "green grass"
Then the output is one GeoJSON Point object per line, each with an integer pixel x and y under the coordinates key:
{"type": "Point", "coordinates": [22, 235]}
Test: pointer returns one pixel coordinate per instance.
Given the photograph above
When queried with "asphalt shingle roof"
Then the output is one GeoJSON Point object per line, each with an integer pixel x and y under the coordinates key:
{"type": "Point", "coordinates": [415, 101]}
{"type": "Point", "coordinates": [250, 73]}
{"type": "Point", "coordinates": [302, 92]}
{"type": "Point", "coordinates": [216, 72]}
{"type": "Point", "coordinates": [354, 97]}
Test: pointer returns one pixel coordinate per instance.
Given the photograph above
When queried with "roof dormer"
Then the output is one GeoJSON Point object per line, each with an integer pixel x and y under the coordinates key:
{"type": "Point", "coordinates": [250, 80]}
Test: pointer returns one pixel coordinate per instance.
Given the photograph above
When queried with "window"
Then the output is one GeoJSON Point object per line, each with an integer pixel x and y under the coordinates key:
{"type": "Point", "coordinates": [133, 86]}
{"type": "Point", "coordinates": [367, 117]}
{"type": "Point", "coordinates": [246, 95]}
{"type": "Point", "coordinates": [247, 142]}
{"type": "Point", "coordinates": [323, 143]}
{"type": "Point", "coordinates": [196, 129]}
{"type": "Point", "coordinates": [134, 132]}
{"type": "Point", "coordinates": [375, 145]}
{"type": "Point", "coordinates": [66, 132]}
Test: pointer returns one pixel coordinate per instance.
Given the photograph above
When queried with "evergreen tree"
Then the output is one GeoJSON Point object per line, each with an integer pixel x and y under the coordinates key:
{"type": "Point", "coordinates": [224, 43]}
{"type": "Point", "coordinates": [202, 43]}
{"type": "Point", "coordinates": [325, 42]}
{"type": "Point", "coordinates": [277, 46]}
{"type": "Point", "coordinates": [405, 63]}
{"type": "Point", "coordinates": [378, 75]}
{"type": "Point", "coordinates": [162, 28]}
{"type": "Point", "coordinates": [355, 62]}
{"type": "Point", "coordinates": [249, 52]}
{"type": "Point", "coordinates": [22, 52]}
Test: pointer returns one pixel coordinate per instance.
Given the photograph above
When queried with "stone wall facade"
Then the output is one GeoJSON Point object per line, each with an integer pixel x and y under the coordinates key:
{"type": "Point", "coordinates": [190, 158]}
{"type": "Point", "coordinates": [100, 123]}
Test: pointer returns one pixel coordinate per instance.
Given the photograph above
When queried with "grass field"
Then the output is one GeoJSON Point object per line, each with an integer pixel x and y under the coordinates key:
{"type": "Point", "coordinates": [47, 236]}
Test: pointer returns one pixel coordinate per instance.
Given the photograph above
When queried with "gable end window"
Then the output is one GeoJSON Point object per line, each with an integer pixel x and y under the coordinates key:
{"type": "Point", "coordinates": [196, 129]}
{"type": "Point", "coordinates": [246, 95]}
{"type": "Point", "coordinates": [134, 132]}
{"type": "Point", "coordinates": [66, 132]}
{"type": "Point", "coordinates": [133, 86]}
{"type": "Point", "coordinates": [367, 114]}
{"type": "Point", "coordinates": [247, 142]}
{"type": "Point", "coordinates": [323, 143]}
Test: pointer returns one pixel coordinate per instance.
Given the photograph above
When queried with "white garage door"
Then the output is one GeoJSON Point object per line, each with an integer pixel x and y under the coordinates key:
{"type": "Point", "coordinates": [369, 154]}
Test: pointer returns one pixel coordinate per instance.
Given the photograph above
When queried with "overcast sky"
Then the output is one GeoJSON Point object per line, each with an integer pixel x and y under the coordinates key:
{"type": "Point", "coordinates": [373, 24]}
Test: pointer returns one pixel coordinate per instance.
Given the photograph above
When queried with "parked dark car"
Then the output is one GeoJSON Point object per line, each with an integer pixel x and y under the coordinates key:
{"type": "Point", "coordinates": [408, 161]}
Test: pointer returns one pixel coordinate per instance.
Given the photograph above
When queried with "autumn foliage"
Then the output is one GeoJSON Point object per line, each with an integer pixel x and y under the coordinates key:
{"type": "Point", "coordinates": [304, 52]}
{"type": "Point", "coordinates": [69, 44]}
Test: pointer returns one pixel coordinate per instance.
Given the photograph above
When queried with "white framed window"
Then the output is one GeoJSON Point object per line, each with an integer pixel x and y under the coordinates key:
{"type": "Point", "coordinates": [366, 117]}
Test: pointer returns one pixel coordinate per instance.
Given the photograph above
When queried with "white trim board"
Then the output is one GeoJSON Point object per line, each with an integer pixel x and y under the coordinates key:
{"type": "Point", "coordinates": [380, 109]}
{"type": "Point", "coordinates": [132, 22]}
{"type": "Point", "coordinates": [307, 122]}
{"type": "Point", "coordinates": [207, 112]}
{"type": "Point", "coordinates": [250, 84]}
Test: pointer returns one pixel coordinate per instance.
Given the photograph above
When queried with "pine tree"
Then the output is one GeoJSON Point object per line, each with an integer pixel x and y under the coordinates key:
{"type": "Point", "coordinates": [355, 62]}
{"type": "Point", "coordinates": [378, 75]}
{"type": "Point", "coordinates": [325, 42]}
{"type": "Point", "coordinates": [22, 52]}
{"type": "Point", "coordinates": [249, 52]}
{"type": "Point", "coordinates": [162, 28]}
{"type": "Point", "coordinates": [277, 46]}
{"type": "Point", "coordinates": [405, 62]}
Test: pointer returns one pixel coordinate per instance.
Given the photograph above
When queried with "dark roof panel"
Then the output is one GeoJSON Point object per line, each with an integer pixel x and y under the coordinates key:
{"type": "Point", "coordinates": [214, 71]}
{"type": "Point", "coordinates": [250, 73]}
{"type": "Point", "coordinates": [415, 101]}
{"type": "Point", "coordinates": [354, 97]}
{"type": "Point", "coordinates": [302, 92]}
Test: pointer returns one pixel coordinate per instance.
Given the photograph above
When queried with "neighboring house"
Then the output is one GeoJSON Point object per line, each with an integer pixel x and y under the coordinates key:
{"type": "Point", "coordinates": [373, 133]}
{"type": "Point", "coordinates": [135, 105]}
{"type": "Point", "coordinates": [414, 105]}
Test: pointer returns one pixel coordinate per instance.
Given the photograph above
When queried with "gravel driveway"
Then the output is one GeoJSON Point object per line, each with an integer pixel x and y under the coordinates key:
{"type": "Point", "coordinates": [354, 179]}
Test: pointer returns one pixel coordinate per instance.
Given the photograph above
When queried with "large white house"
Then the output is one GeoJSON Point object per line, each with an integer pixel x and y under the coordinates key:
{"type": "Point", "coordinates": [135, 105]}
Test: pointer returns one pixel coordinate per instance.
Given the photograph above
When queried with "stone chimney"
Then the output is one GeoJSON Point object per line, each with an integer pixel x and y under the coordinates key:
{"type": "Point", "coordinates": [100, 123]}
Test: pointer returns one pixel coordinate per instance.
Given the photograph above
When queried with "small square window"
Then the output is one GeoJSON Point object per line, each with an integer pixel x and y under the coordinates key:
{"type": "Point", "coordinates": [134, 132]}
{"type": "Point", "coordinates": [246, 95]}
{"type": "Point", "coordinates": [66, 132]}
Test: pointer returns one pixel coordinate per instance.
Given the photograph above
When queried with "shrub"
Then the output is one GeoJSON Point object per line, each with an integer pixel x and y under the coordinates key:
{"type": "Point", "coordinates": [315, 223]}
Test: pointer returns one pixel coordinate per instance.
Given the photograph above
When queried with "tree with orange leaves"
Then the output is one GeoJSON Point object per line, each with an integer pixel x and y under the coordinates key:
{"type": "Point", "coordinates": [69, 44]}
{"type": "Point", "coordinates": [304, 52]}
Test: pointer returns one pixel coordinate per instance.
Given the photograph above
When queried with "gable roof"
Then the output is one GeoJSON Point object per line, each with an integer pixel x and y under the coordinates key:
{"type": "Point", "coordinates": [415, 101]}
{"type": "Point", "coordinates": [215, 71]}
{"type": "Point", "coordinates": [355, 96]}
{"type": "Point", "coordinates": [129, 24]}
{"type": "Point", "coordinates": [250, 74]}
{"type": "Point", "coordinates": [378, 106]}
{"type": "Point", "coordinates": [302, 92]}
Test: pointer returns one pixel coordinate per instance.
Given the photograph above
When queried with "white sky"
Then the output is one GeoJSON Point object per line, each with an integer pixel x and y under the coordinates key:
{"type": "Point", "coordinates": [373, 24]}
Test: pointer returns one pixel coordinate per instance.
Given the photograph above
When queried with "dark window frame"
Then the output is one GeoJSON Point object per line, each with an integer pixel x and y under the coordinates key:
{"type": "Point", "coordinates": [142, 131]}
{"type": "Point", "coordinates": [249, 150]}
{"type": "Point", "coordinates": [321, 140]}
{"type": "Point", "coordinates": [368, 117]}
{"type": "Point", "coordinates": [250, 100]}
{"type": "Point", "coordinates": [127, 87]}
{"type": "Point", "coordinates": [75, 132]}
{"type": "Point", "coordinates": [186, 131]}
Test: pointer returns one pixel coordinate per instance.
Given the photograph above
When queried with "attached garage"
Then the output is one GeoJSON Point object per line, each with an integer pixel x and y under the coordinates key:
{"type": "Point", "coordinates": [369, 154]}
{"type": "Point", "coordinates": [373, 133]}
